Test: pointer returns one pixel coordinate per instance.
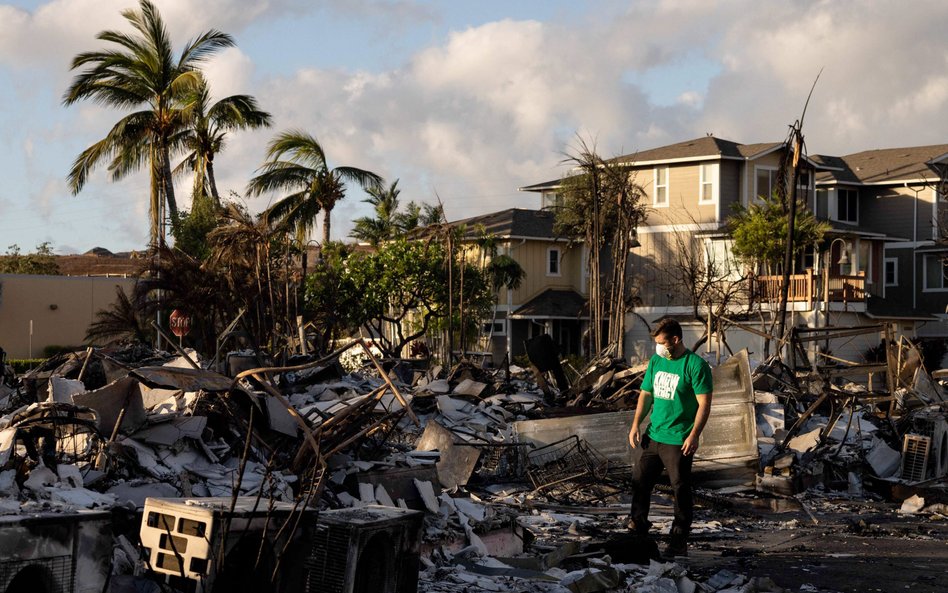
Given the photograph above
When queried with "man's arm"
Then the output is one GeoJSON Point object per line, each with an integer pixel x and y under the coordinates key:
{"type": "Point", "coordinates": [641, 409]}
{"type": "Point", "coordinates": [701, 418]}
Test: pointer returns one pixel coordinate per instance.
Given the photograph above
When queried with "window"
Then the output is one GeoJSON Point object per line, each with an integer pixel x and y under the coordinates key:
{"type": "Point", "coordinates": [807, 260]}
{"type": "Point", "coordinates": [936, 269]}
{"type": "Point", "coordinates": [661, 187]}
{"type": "Point", "coordinates": [499, 328]}
{"type": "Point", "coordinates": [864, 263]}
{"type": "Point", "coordinates": [706, 183]}
{"type": "Point", "coordinates": [551, 200]}
{"type": "Point", "coordinates": [719, 260]}
{"type": "Point", "coordinates": [766, 182]}
{"type": "Point", "coordinates": [553, 262]}
{"type": "Point", "coordinates": [891, 271]}
{"type": "Point", "coordinates": [803, 186]}
{"type": "Point", "coordinates": [847, 205]}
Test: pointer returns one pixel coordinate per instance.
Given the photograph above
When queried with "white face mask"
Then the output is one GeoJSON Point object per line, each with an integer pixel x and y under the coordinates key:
{"type": "Point", "coordinates": [663, 351]}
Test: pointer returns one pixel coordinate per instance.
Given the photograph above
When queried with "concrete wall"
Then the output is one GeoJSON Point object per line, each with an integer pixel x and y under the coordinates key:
{"type": "Point", "coordinates": [60, 307]}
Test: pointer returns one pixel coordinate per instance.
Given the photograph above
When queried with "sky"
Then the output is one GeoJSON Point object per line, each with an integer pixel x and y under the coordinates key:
{"type": "Point", "coordinates": [466, 101]}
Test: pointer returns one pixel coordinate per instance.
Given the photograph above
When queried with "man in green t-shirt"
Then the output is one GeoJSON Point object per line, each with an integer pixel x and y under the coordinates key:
{"type": "Point", "coordinates": [677, 389]}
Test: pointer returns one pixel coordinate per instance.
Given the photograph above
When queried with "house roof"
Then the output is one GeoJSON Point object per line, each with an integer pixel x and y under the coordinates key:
{"type": "Point", "coordinates": [544, 186]}
{"type": "Point", "coordinates": [842, 229]}
{"type": "Point", "coordinates": [706, 146]}
{"type": "Point", "coordinates": [880, 308]}
{"type": "Point", "coordinates": [512, 222]}
{"type": "Point", "coordinates": [552, 304]}
{"type": "Point", "coordinates": [887, 165]}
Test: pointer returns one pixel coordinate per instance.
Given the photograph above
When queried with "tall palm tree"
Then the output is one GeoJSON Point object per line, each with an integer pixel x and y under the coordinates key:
{"type": "Point", "coordinates": [207, 127]}
{"type": "Point", "coordinates": [140, 71]}
{"type": "Point", "coordinates": [314, 185]}
{"type": "Point", "coordinates": [388, 221]}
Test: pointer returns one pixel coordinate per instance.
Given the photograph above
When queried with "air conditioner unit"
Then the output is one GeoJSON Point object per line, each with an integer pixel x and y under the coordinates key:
{"type": "Point", "coordinates": [200, 545]}
{"type": "Point", "coordinates": [935, 427]}
{"type": "Point", "coordinates": [915, 450]}
{"type": "Point", "coordinates": [55, 552]}
{"type": "Point", "coordinates": [371, 549]}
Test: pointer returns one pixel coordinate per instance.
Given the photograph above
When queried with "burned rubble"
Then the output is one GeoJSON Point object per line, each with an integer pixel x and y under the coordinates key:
{"type": "Point", "coordinates": [348, 471]}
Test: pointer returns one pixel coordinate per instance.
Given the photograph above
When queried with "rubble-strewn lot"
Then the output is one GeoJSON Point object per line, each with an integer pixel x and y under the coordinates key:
{"type": "Point", "coordinates": [807, 484]}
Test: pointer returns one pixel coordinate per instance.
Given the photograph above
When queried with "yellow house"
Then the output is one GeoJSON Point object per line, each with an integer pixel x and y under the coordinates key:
{"type": "Point", "coordinates": [552, 297]}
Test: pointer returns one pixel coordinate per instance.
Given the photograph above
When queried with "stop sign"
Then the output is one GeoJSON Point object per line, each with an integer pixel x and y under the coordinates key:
{"type": "Point", "coordinates": [180, 323]}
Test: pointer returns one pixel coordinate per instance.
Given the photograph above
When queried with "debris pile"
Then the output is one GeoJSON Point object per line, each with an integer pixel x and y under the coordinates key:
{"type": "Point", "coordinates": [524, 484]}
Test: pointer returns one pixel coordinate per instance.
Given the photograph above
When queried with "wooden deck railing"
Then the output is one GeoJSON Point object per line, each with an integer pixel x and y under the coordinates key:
{"type": "Point", "coordinates": [806, 288]}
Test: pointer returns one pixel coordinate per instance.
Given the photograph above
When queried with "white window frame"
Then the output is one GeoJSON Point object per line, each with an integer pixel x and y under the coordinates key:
{"type": "Point", "coordinates": [925, 287]}
{"type": "Point", "coordinates": [657, 186]}
{"type": "Point", "coordinates": [485, 327]}
{"type": "Point", "coordinates": [710, 196]}
{"type": "Point", "coordinates": [559, 262]}
{"type": "Point", "coordinates": [551, 200]}
{"type": "Point", "coordinates": [895, 270]}
{"type": "Point", "coordinates": [839, 217]}
{"type": "Point", "coordinates": [772, 180]}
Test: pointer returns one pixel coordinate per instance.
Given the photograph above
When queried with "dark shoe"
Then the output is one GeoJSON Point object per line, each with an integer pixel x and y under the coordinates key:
{"type": "Point", "coordinates": [677, 546]}
{"type": "Point", "coordinates": [638, 528]}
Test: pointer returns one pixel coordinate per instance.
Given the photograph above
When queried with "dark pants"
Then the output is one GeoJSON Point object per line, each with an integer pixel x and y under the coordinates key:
{"type": "Point", "coordinates": [655, 456]}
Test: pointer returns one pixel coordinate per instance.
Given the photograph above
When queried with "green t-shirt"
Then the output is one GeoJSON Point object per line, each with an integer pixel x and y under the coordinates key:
{"type": "Point", "coordinates": [673, 385]}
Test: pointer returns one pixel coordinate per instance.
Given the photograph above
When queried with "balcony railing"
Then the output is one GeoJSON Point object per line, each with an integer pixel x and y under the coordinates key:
{"type": "Point", "coordinates": [806, 288]}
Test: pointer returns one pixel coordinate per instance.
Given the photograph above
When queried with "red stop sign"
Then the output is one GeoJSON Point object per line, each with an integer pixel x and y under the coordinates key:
{"type": "Point", "coordinates": [180, 323]}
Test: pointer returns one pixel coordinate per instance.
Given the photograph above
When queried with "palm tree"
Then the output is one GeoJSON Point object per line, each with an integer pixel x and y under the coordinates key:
{"type": "Point", "coordinates": [123, 320]}
{"type": "Point", "coordinates": [140, 72]}
{"type": "Point", "coordinates": [388, 221]}
{"type": "Point", "coordinates": [207, 128]}
{"type": "Point", "coordinates": [242, 251]}
{"type": "Point", "coordinates": [316, 187]}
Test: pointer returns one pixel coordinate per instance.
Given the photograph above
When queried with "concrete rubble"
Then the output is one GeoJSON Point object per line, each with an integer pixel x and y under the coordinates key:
{"type": "Point", "coordinates": [523, 486]}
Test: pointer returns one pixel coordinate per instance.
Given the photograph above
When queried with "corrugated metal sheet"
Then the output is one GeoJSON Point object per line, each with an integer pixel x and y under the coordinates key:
{"type": "Point", "coordinates": [606, 433]}
{"type": "Point", "coordinates": [728, 451]}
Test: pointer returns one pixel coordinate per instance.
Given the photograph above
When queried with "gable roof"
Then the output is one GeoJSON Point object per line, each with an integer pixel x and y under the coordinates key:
{"type": "Point", "coordinates": [512, 222]}
{"type": "Point", "coordinates": [704, 147]}
{"type": "Point", "coordinates": [887, 165]}
{"type": "Point", "coordinates": [552, 304]}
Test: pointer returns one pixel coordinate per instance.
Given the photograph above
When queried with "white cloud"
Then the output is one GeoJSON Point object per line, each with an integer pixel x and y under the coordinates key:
{"type": "Point", "coordinates": [485, 109]}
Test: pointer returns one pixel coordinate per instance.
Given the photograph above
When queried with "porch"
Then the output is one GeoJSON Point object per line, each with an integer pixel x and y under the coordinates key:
{"type": "Point", "coordinates": [806, 288]}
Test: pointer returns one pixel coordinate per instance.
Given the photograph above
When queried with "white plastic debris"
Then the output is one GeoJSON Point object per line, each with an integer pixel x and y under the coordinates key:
{"type": "Point", "coordinates": [912, 505]}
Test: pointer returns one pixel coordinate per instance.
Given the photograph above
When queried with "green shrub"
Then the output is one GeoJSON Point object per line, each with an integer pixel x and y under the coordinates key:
{"type": "Point", "coordinates": [22, 365]}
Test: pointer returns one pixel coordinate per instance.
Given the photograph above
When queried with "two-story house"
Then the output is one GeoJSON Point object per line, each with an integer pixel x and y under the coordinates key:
{"type": "Point", "coordinates": [551, 297]}
{"type": "Point", "coordinates": [897, 192]}
{"type": "Point", "coordinates": [691, 189]}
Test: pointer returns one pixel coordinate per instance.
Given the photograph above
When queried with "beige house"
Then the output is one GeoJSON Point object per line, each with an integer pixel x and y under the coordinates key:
{"type": "Point", "coordinates": [41, 311]}
{"type": "Point", "coordinates": [552, 296]}
{"type": "Point", "coordinates": [882, 260]}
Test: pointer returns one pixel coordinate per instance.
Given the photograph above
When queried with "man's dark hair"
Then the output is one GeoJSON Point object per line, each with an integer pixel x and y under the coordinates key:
{"type": "Point", "coordinates": [669, 328]}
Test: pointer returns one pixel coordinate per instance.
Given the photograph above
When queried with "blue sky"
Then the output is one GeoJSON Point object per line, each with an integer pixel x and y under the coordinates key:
{"type": "Point", "coordinates": [467, 101]}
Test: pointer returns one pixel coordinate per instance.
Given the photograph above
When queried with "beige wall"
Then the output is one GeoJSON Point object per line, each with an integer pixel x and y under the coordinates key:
{"type": "Point", "coordinates": [61, 308]}
{"type": "Point", "coordinates": [683, 187]}
{"type": "Point", "coordinates": [533, 256]}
